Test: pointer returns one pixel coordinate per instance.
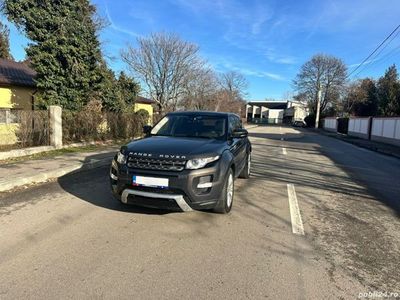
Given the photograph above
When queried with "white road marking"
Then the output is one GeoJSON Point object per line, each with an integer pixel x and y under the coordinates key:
{"type": "Point", "coordinates": [282, 139]}
{"type": "Point", "coordinates": [284, 151]}
{"type": "Point", "coordinates": [297, 223]}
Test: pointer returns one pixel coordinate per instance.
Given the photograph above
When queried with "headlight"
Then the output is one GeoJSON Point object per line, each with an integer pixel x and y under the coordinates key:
{"type": "Point", "coordinates": [121, 158]}
{"type": "Point", "coordinates": [198, 163]}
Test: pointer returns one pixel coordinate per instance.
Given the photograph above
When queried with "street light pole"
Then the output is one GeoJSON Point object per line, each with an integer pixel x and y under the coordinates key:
{"type": "Point", "coordinates": [318, 105]}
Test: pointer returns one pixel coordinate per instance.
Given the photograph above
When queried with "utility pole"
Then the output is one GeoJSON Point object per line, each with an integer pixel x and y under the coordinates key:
{"type": "Point", "coordinates": [318, 105]}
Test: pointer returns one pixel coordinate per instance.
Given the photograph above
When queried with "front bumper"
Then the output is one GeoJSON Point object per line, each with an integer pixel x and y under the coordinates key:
{"type": "Point", "coordinates": [180, 201]}
{"type": "Point", "coordinates": [183, 187]}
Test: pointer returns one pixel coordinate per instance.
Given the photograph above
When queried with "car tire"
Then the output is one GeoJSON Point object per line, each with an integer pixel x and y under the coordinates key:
{"type": "Point", "coordinates": [224, 205]}
{"type": "Point", "coordinates": [247, 167]}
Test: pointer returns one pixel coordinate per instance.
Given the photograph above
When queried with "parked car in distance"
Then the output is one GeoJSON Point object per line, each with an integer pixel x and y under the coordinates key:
{"type": "Point", "coordinates": [187, 161]}
{"type": "Point", "coordinates": [299, 124]}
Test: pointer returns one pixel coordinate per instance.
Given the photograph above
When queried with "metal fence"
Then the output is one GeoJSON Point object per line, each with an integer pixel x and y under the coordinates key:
{"type": "Point", "coordinates": [87, 125]}
{"type": "Point", "coordinates": [266, 120]}
{"type": "Point", "coordinates": [20, 128]}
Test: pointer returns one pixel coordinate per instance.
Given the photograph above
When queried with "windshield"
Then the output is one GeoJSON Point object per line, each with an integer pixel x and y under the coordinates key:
{"type": "Point", "coordinates": [213, 127]}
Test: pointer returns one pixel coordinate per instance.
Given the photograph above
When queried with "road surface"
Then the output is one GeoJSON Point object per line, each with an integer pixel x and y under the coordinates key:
{"type": "Point", "coordinates": [318, 219]}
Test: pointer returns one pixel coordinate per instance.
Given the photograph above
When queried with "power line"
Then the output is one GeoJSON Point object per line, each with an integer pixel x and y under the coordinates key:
{"type": "Point", "coordinates": [375, 61]}
{"type": "Point", "coordinates": [394, 52]}
{"type": "Point", "coordinates": [373, 52]}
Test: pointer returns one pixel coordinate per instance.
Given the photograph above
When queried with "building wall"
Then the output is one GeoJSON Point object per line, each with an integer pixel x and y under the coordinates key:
{"type": "Point", "coordinates": [16, 97]}
{"type": "Point", "coordinates": [7, 134]}
{"type": "Point", "coordinates": [359, 127]}
{"type": "Point", "coordinates": [275, 113]}
{"type": "Point", "coordinates": [299, 113]}
{"type": "Point", "coordinates": [386, 130]}
{"type": "Point", "coordinates": [330, 124]}
{"type": "Point", "coordinates": [147, 107]}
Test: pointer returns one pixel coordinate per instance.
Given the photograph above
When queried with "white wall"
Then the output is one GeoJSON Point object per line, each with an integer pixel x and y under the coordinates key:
{"type": "Point", "coordinates": [300, 113]}
{"type": "Point", "coordinates": [275, 113]}
{"type": "Point", "coordinates": [386, 130]}
{"type": "Point", "coordinates": [359, 126]}
{"type": "Point", "coordinates": [330, 124]}
{"type": "Point", "coordinates": [264, 112]}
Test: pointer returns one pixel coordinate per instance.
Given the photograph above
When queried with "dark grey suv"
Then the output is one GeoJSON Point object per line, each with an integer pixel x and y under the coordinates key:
{"type": "Point", "coordinates": [188, 160]}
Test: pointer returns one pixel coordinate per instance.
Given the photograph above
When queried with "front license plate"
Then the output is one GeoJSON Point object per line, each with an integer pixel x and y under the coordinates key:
{"type": "Point", "coordinates": [150, 181]}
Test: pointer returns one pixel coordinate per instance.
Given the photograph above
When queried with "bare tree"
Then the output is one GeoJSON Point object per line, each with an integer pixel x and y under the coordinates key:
{"type": "Point", "coordinates": [165, 64]}
{"type": "Point", "coordinates": [325, 71]}
{"type": "Point", "coordinates": [201, 89]}
{"type": "Point", "coordinates": [233, 86]}
{"type": "Point", "coordinates": [234, 83]}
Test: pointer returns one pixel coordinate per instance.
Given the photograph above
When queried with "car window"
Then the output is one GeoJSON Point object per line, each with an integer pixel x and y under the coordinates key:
{"type": "Point", "coordinates": [234, 123]}
{"type": "Point", "coordinates": [191, 126]}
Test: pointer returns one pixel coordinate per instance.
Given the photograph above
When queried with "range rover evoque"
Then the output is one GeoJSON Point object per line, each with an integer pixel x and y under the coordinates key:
{"type": "Point", "coordinates": [187, 161]}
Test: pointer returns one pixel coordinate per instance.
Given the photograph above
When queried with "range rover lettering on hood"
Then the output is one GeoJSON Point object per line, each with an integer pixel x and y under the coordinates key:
{"type": "Point", "coordinates": [159, 155]}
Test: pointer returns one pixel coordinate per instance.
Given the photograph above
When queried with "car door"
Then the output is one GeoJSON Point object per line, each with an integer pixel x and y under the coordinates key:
{"type": "Point", "coordinates": [242, 144]}
{"type": "Point", "coordinates": [237, 144]}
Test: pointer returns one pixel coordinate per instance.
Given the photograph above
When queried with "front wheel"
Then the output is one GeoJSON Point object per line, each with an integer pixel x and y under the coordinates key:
{"type": "Point", "coordinates": [247, 167]}
{"type": "Point", "coordinates": [225, 204]}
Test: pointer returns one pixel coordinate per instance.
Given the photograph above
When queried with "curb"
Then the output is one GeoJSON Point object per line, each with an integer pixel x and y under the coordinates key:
{"type": "Point", "coordinates": [43, 177]}
{"type": "Point", "coordinates": [25, 152]}
{"type": "Point", "coordinates": [250, 127]}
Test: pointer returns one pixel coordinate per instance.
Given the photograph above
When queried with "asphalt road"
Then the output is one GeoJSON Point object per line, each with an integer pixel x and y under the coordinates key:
{"type": "Point", "coordinates": [70, 239]}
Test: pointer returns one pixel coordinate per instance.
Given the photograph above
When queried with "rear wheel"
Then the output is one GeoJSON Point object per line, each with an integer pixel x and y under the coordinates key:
{"type": "Point", "coordinates": [225, 204]}
{"type": "Point", "coordinates": [247, 167]}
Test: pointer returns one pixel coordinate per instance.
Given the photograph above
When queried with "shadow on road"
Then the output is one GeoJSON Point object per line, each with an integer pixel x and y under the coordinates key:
{"type": "Point", "coordinates": [359, 174]}
{"type": "Point", "coordinates": [92, 185]}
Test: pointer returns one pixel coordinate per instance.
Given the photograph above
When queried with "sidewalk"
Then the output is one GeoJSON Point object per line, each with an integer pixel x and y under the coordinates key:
{"type": "Point", "coordinates": [367, 144]}
{"type": "Point", "coordinates": [40, 170]}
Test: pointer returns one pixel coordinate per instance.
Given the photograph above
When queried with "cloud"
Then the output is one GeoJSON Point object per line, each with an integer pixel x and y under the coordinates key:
{"type": "Point", "coordinates": [261, 74]}
{"type": "Point", "coordinates": [223, 64]}
{"type": "Point", "coordinates": [365, 63]}
{"type": "Point", "coordinates": [116, 27]}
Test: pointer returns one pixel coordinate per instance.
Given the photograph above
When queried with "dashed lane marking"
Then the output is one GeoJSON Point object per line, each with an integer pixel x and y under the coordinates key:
{"type": "Point", "coordinates": [295, 216]}
{"type": "Point", "coordinates": [284, 151]}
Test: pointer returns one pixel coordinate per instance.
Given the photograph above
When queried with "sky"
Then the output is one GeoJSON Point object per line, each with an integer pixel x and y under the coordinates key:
{"type": "Point", "coordinates": [266, 40]}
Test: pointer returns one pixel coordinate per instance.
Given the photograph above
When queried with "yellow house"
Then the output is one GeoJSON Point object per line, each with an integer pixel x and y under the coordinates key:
{"type": "Point", "coordinates": [17, 90]}
{"type": "Point", "coordinates": [146, 104]}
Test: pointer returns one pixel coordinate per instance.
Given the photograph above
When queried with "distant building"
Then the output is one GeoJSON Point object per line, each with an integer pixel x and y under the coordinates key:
{"type": "Point", "coordinates": [275, 112]}
{"type": "Point", "coordinates": [17, 92]}
{"type": "Point", "coordinates": [145, 104]}
{"type": "Point", "coordinates": [17, 85]}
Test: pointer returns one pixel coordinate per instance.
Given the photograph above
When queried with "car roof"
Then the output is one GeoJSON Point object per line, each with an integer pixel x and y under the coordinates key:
{"type": "Point", "coordinates": [203, 113]}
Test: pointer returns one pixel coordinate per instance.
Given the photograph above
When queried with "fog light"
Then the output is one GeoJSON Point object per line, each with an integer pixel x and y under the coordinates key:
{"type": "Point", "coordinates": [204, 182]}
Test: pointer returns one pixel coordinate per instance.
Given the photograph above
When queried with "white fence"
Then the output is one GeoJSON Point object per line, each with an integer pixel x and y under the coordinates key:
{"type": "Point", "coordinates": [330, 124]}
{"type": "Point", "coordinates": [359, 127]}
{"type": "Point", "coordinates": [386, 130]}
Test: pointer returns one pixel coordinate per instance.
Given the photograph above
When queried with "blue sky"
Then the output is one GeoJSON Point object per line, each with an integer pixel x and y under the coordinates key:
{"type": "Point", "coordinates": [267, 41]}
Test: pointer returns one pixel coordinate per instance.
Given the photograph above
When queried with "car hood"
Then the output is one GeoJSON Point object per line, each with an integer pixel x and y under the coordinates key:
{"type": "Point", "coordinates": [174, 147]}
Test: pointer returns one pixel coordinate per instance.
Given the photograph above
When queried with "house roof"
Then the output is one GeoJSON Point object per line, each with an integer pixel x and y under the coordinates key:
{"type": "Point", "coordinates": [143, 100]}
{"type": "Point", "coordinates": [270, 104]}
{"type": "Point", "coordinates": [16, 73]}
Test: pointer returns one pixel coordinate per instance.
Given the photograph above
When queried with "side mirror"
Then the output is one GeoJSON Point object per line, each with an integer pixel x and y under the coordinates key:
{"type": "Point", "coordinates": [239, 133]}
{"type": "Point", "coordinates": [147, 130]}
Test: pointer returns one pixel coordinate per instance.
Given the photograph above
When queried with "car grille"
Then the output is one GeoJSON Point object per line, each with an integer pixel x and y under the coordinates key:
{"type": "Point", "coordinates": [149, 189]}
{"type": "Point", "coordinates": [156, 164]}
{"type": "Point", "coordinates": [159, 203]}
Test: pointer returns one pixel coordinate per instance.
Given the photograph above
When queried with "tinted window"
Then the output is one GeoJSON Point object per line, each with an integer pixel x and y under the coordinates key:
{"type": "Point", "coordinates": [234, 123]}
{"type": "Point", "coordinates": [191, 126]}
